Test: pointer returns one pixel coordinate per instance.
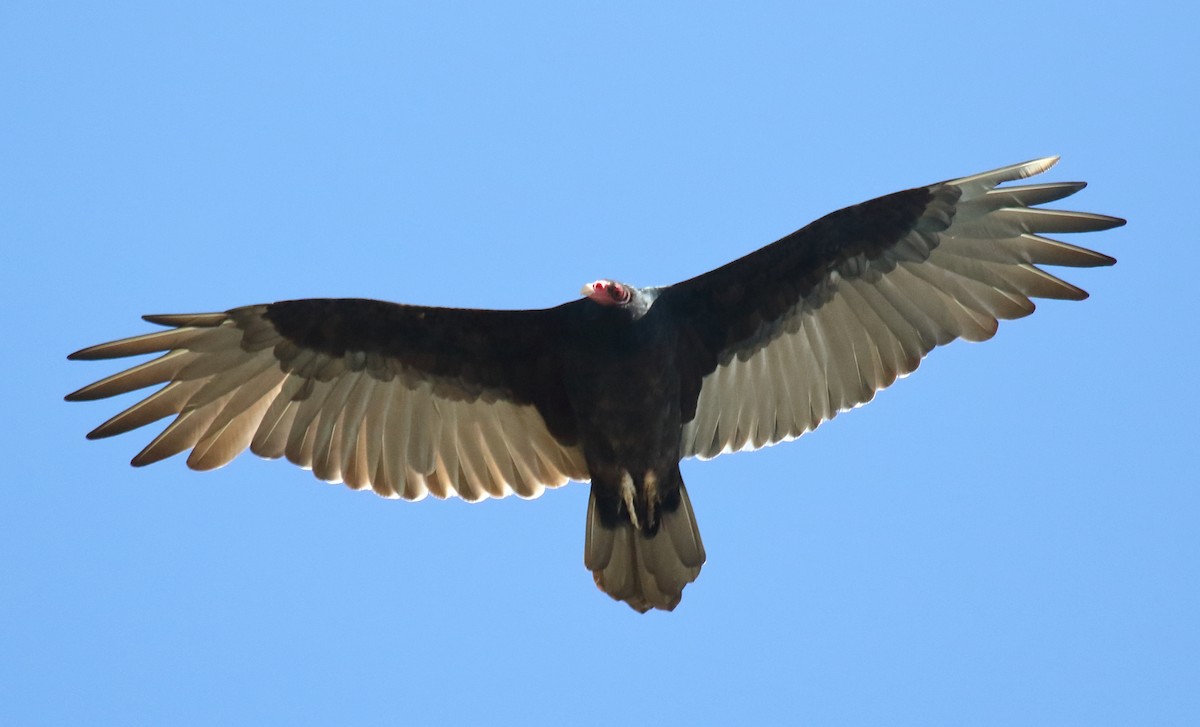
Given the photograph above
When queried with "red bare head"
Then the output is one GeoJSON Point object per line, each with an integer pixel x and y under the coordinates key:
{"type": "Point", "coordinates": [607, 292]}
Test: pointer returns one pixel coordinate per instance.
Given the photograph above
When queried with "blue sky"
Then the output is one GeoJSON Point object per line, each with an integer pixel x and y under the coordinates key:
{"type": "Point", "coordinates": [1009, 536]}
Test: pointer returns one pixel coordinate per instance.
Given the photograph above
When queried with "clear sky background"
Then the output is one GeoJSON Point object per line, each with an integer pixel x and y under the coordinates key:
{"type": "Point", "coordinates": [1009, 536]}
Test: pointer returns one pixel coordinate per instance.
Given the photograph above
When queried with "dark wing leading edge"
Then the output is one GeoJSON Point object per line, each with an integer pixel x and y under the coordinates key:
{"type": "Point", "coordinates": [405, 400]}
{"type": "Point", "coordinates": [785, 338]}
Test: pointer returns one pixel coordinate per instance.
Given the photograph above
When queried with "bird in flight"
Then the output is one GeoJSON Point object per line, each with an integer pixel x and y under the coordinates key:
{"type": "Point", "coordinates": [615, 387]}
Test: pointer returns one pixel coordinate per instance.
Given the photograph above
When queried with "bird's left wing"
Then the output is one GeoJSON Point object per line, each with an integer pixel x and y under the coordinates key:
{"type": "Point", "coordinates": [775, 343]}
{"type": "Point", "coordinates": [405, 400]}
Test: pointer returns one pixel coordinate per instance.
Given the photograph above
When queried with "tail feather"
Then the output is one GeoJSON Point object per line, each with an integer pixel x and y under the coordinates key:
{"type": "Point", "coordinates": [645, 571]}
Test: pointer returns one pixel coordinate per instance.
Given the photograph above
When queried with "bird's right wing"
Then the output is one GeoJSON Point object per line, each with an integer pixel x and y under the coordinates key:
{"type": "Point", "coordinates": [404, 400]}
{"type": "Point", "coordinates": [784, 338]}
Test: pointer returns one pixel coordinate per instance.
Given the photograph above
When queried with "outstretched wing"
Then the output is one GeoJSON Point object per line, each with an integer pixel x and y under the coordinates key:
{"type": "Point", "coordinates": [405, 400]}
{"type": "Point", "coordinates": [783, 339]}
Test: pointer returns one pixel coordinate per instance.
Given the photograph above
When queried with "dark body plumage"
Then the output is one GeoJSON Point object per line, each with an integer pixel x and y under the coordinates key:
{"type": "Point", "coordinates": [615, 388]}
{"type": "Point", "coordinates": [619, 374]}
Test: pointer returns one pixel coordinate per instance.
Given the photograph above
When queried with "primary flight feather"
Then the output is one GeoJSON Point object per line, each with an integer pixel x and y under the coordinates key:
{"type": "Point", "coordinates": [616, 387]}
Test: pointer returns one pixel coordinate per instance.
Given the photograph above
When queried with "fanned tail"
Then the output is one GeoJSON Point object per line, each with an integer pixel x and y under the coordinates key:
{"type": "Point", "coordinates": [645, 571]}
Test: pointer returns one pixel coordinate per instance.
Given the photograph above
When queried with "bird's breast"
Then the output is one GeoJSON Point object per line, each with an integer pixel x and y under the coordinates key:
{"type": "Point", "coordinates": [625, 393]}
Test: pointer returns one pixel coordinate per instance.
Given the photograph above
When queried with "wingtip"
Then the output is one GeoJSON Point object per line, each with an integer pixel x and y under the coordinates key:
{"type": "Point", "coordinates": [91, 353]}
{"type": "Point", "coordinates": [160, 319]}
{"type": "Point", "coordinates": [1106, 222]}
{"type": "Point", "coordinates": [139, 460]}
{"type": "Point", "coordinates": [1037, 166]}
{"type": "Point", "coordinates": [179, 320]}
{"type": "Point", "coordinates": [86, 393]}
{"type": "Point", "coordinates": [992, 178]}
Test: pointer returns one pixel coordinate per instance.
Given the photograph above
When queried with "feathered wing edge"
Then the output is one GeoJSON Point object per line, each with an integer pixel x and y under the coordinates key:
{"type": "Point", "coordinates": [969, 261]}
{"type": "Point", "coordinates": [233, 382]}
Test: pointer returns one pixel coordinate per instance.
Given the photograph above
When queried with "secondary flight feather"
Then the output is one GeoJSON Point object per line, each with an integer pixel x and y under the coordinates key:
{"type": "Point", "coordinates": [616, 387]}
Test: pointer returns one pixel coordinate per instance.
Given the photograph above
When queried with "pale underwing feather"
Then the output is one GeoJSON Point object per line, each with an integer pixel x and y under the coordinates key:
{"type": "Point", "coordinates": [273, 443]}
{"type": "Point", "coordinates": [326, 446]}
{"type": "Point", "coordinates": [156, 371]}
{"type": "Point", "coordinates": [272, 428]}
{"type": "Point", "coordinates": [265, 385]}
{"type": "Point", "coordinates": [218, 447]}
{"type": "Point", "coordinates": [166, 401]}
{"type": "Point", "coordinates": [236, 377]}
{"type": "Point", "coordinates": [353, 445]}
{"type": "Point", "coordinates": [157, 342]}
{"type": "Point", "coordinates": [299, 441]}
{"type": "Point", "coordinates": [1028, 195]}
{"type": "Point", "coordinates": [180, 435]}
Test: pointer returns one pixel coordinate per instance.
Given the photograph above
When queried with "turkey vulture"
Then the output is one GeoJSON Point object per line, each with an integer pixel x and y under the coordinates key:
{"type": "Point", "coordinates": [616, 387]}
